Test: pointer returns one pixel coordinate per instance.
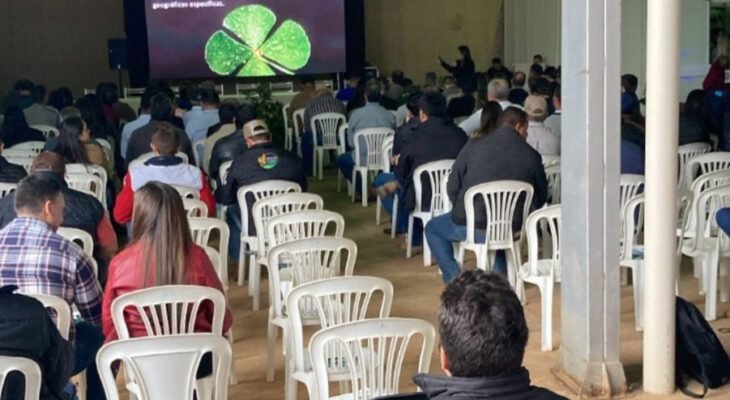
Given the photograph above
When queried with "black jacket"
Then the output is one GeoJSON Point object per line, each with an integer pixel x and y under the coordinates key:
{"type": "Point", "coordinates": [17, 136]}
{"type": "Point", "coordinates": [501, 155]}
{"type": "Point", "coordinates": [403, 133]}
{"type": "Point", "coordinates": [139, 142]}
{"type": "Point", "coordinates": [692, 130]}
{"type": "Point", "coordinates": [11, 173]}
{"type": "Point", "coordinates": [226, 149]}
{"type": "Point", "coordinates": [463, 72]}
{"type": "Point", "coordinates": [82, 211]}
{"type": "Point", "coordinates": [514, 387]}
{"type": "Point", "coordinates": [436, 139]}
{"type": "Point", "coordinates": [26, 330]}
{"type": "Point", "coordinates": [462, 106]}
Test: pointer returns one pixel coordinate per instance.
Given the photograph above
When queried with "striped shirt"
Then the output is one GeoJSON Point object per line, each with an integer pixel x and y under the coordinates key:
{"type": "Point", "coordinates": [325, 103]}
{"type": "Point", "coordinates": [39, 261]}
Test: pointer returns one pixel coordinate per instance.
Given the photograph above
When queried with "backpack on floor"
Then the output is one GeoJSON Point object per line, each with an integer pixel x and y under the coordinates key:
{"type": "Point", "coordinates": [700, 354]}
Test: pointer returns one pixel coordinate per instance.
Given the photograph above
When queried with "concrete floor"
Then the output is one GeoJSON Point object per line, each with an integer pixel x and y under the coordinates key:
{"type": "Point", "coordinates": [417, 292]}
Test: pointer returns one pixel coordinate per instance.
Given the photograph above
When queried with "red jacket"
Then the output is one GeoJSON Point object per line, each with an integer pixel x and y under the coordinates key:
{"type": "Point", "coordinates": [170, 170]}
{"type": "Point", "coordinates": [125, 276]}
{"type": "Point", "coordinates": [715, 79]}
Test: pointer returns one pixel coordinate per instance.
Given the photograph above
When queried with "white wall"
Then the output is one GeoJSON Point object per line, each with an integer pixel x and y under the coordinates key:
{"type": "Point", "coordinates": [531, 27]}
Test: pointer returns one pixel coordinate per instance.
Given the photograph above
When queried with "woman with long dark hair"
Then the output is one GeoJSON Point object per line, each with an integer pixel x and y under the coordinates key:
{"type": "Point", "coordinates": [15, 128]}
{"type": "Point", "coordinates": [489, 120]}
{"type": "Point", "coordinates": [463, 71]}
{"type": "Point", "coordinates": [74, 134]}
{"type": "Point", "coordinates": [161, 252]}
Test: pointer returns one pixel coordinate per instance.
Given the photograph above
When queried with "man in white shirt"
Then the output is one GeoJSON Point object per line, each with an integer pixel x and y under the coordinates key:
{"type": "Point", "coordinates": [553, 121]}
{"type": "Point", "coordinates": [142, 120]}
{"type": "Point", "coordinates": [197, 123]}
{"type": "Point", "coordinates": [497, 90]}
{"type": "Point", "coordinates": [540, 137]}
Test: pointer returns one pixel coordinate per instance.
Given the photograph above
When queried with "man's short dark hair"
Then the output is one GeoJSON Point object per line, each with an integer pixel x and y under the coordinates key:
{"type": "Point", "coordinates": [307, 80]}
{"type": "Point", "coordinates": [245, 114]}
{"type": "Point", "coordinates": [513, 116]}
{"type": "Point", "coordinates": [551, 72]}
{"type": "Point", "coordinates": [543, 87]}
{"type": "Point", "coordinates": [496, 60]}
{"type": "Point", "coordinates": [630, 82]}
{"type": "Point", "coordinates": [38, 93]}
{"type": "Point", "coordinates": [482, 326]}
{"type": "Point", "coordinates": [208, 96]}
{"type": "Point", "coordinates": [433, 104]}
{"type": "Point", "coordinates": [537, 56]}
{"type": "Point", "coordinates": [556, 93]}
{"type": "Point", "coordinates": [519, 78]}
{"type": "Point", "coordinates": [372, 90]}
{"type": "Point", "coordinates": [227, 112]}
{"type": "Point", "coordinates": [23, 85]}
{"type": "Point", "coordinates": [536, 69]}
{"type": "Point", "coordinates": [160, 107]}
{"type": "Point", "coordinates": [144, 102]}
{"type": "Point", "coordinates": [35, 190]}
{"type": "Point", "coordinates": [166, 139]}
{"type": "Point", "coordinates": [414, 101]}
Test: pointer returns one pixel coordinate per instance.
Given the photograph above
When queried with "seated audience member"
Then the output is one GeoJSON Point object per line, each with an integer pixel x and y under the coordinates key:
{"type": "Point", "coordinates": [449, 88]}
{"type": "Point", "coordinates": [23, 93]}
{"type": "Point", "coordinates": [66, 113]}
{"type": "Point", "coordinates": [160, 111]}
{"type": "Point", "coordinates": [40, 113]}
{"type": "Point", "coordinates": [82, 211]}
{"type": "Point", "coordinates": [113, 106]}
{"type": "Point", "coordinates": [196, 127]}
{"type": "Point", "coordinates": [501, 155]}
{"type": "Point", "coordinates": [498, 68]}
{"type": "Point", "coordinates": [348, 92]}
{"type": "Point", "coordinates": [540, 137]}
{"type": "Point", "coordinates": [536, 72]}
{"type": "Point", "coordinates": [632, 158]}
{"type": "Point", "coordinates": [632, 129]}
{"type": "Point", "coordinates": [60, 99]}
{"type": "Point", "coordinates": [161, 252]}
{"type": "Point", "coordinates": [143, 119]}
{"type": "Point", "coordinates": [491, 113]}
{"type": "Point", "coordinates": [553, 121]}
{"type": "Point", "coordinates": [15, 129]}
{"type": "Point", "coordinates": [164, 167]}
{"type": "Point", "coordinates": [76, 147]}
{"type": "Point", "coordinates": [518, 94]}
{"type": "Point", "coordinates": [373, 115]}
{"type": "Point", "coordinates": [413, 121]}
{"type": "Point", "coordinates": [27, 330]}
{"type": "Point", "coordinates": [629, 100]}
{"type": "Point", "coordinates": [551, 74]}
{"type": "Point", "coordinates": [92, 113]}
{"type": "Point", "coordinates": [398, 84]}
{"type": "Point", "coordinates": [9, 173]}
{"type": "Point", "coordinates": [695, 120]}
{"type": "Point", "coordinates": [323, 102]}
{"type": "Point", "coordinates": [227, 115]}
{"type": "Point", "coordinates": [233, 145]}
{"type": "Point", "coordinates": [430, 79]}
{"type": "Point", "coordinates": [544, 88]}
{"type": "Point", "coordinates": [483, 335]}
{"type": "Point", "coordinates": [36, 259]}
{"type": "Point", "coordinates": [461, 106]}
{"type": "Point", "coordinates": [437, 138]}
{"type": "Point", "coordinates": [262, 161]}
{"type": "Point", "coordinates": [497, 91]}
{"type": "Point", "coordinates": [305, 95]}
{"type": "Point", "coordinates": [387, 102]}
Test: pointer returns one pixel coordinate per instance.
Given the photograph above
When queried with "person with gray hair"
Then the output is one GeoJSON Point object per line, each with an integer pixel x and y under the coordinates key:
{"type": "Point", "coordinates": [497, 91]}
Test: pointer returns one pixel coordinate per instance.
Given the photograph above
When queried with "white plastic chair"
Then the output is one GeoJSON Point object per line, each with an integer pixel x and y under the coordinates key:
{"type": "Point", "coordinates": [24, 158]}
{"type": "Point", "coordinates": [387, 151]}
{"type": "Point", "coordinates": [630, 186]}
{"type": "Point", "coordinates": [342, 149]}
{"type": "Point", "coordinates": [374, 352]}
{"type": "Point", "coordinates": [106, 147]}
{"type": "Point", "coordinates": [335, 301]}
{"type": "Point", "coordinates": [84, 240]}
{"type": "Point", "coordinates": [198, 152]}
{"type": "Point", "coordinates": [139, 161]}
{"type": "Point", "coordinates": [298, 122]}
{"type": "Point", "coordinates": [549, 161]}
{"type": "Point", "coordinates": [247, 196]}
{"type": "Point", "coordinates": [704, 164]}
{"type": "Point", "coordinates": [500, 199]}
{"type": "Point", "coordinates": [543, 271]}
{"type": "Point", "coordinates": [165, 367]}
{"type": "Point", "coordinates": [306, 261]}
{"type": "Point", "coordinates": [225, 168]}
{"type": "Point", "coordinates": [30, 370]}
{"type": "Point", "coordinates": [201, 230]}
{"type": "Point", "coordinates": [326, 124]}
{"type": "Point", "coordinates": [33, 146]}
{"type": "Point", "coordinates": [89, 169]}
{"type": "Point", "coordinates": [632, 256]}
{"type": "Point", "coordinates": [445, 195]}
{"type": "Point", "coordinates": [89, 183]}
{"type": "Point", "coordinates": [553, 175]}
{"type": "Point", "coordinates": [436, 172]}
{"type": "Point", "coordinates": [686, 153]}
{"type": "Point", "coordinates": [7, 188]}
{"type": "Point", "coordinates": [61, 312]}
{"type": "Point", "coordinates": [270, 207]}
{"type": "Point", "coordinates": [288, 131]}
{"type": "Point", "coordinates": [373, 139]}
{"type": "Point", "coordinates": [195, 208]}
{"type": "Point", "coordinates": [304, 225]}
{"type": "Point", "coordinates": [47, 130]}
{"type": "Point", "coordinates": [187, 192]}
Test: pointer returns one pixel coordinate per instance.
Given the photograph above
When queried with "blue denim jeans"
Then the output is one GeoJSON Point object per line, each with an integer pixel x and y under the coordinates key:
{"type": "Point", "coordinates": [308, 151]}
{"type": "Point", "coordinates": [233, 220]}
{"type": "Point", "coordinates": [723, 220]}
{"type": "Point", "coordinates": [346, 164]}
{"type": "Point", "coordinates": [87, 343]}
{"type": "Point", "coordinates": [401, 224]}
{"type": "Point", "coordinates": [441, 233]}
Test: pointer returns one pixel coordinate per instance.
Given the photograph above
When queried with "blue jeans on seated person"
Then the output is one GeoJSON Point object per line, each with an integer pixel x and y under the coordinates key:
{"type": "Point", "coordinates": [346, 164]}
{"type": "Point", "coordinates": [308, 151]}
{"type": "Point", "coordinates": [401, 225]}
{"type": "Point", "coordinates": [723, 220]}
{"type": "Point", "coordinates": [87, 343]}
{"type": "Point", "coordinates": [233, 220]}
{"type": "Point", "coordinates": [441, 233]}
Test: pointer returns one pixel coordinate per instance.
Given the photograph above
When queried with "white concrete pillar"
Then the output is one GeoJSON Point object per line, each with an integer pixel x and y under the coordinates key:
{"type": "Point", "coordinates": [590, 313]}
{"type": "Point", "coordinates": [663, 47]}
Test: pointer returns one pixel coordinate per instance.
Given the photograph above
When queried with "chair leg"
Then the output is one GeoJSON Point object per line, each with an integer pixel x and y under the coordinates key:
{"type": "Point", "coordinates": [363, 189]}
{"type": "Point", "coordinates": [233, 378]}
{"type": "Point", "coordinates": [290, 384]}
{"type": "Point", "coordinates": [321, 164]}
{"type": "Point", "coordinates": [546, 309]}
{"type": "Point", "coordinates": [241, 264]}
{"type": "Point", "coordinates": [724, 280]}
{"type": "Point", "coordinates": [251, 274]}
{"type": "Point", "coordinates": [710, 273]}
{"type": "Point", "coordinates": [271, 334]}
{"type": "Point", "coordinates": [352, 184]}
{"type": "Point", "coordinates": [257, 287]}
{"type": "Point", "coordinates": [394, 217]}
{"type": "Point", "coordinates": [638, 276]}
{"type": "Point", "coordinates": [378, 206]}
{"type": "Point", "coordinates": [409, 245]}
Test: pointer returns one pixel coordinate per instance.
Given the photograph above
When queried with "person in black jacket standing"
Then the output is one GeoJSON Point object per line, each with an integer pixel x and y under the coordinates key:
{"type": "Point", "coordinates": [463, 71]}
{"type": "Point", "coordinates": [501, 155]}
{"type": "Point", "coordinates": [262, 161]}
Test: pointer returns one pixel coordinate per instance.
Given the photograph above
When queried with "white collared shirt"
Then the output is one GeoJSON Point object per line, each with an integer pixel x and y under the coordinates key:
{"type": "Point", "coordinates": [542, 139]}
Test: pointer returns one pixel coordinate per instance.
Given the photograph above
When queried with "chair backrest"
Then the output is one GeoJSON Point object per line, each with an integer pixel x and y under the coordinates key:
{"type": "Point", "coordinates": [687, 152]}
{"type": "Point", "coordinates": [436, 172]}
{"type": "Point", "coordinates": [167, 310]}
{"type": "Point", "coordinates": [106, 147]}
{"type": "Point", "coordinates": [702, 184]}
{"type": "Point", "coordinates": [285, 114]}
{"type": "Point", "coordinates": [32, 146]}
{"type": "Point", "coordinates": [630, 186]}
{"type": "Point", "coordinates": [266, 209]}
{"type": "Point", "coordinates": [632, 214]}
{"type": "Point", "coordinates": [88, 182]}
{"type": "Point", "coordinates": [373, 139]}
{"type": "Point", "coordinates": [30, 370]}
{"type": "Point", "coordinates": [298, 122]}
{"type": "Point", "coordinates": [223, 171]}
{"type": "Point", "coordinates": [342, 136]}
{"type": "Point", "coordinates": [546, 222]}
{"type": "Point", "coordinates": [80, 237]}
{"type": "Point", "coordinates": [337, 301]}
{"type": "Point", "coordinates": [88, 169]}
{"type": "Point", "coordinates": [195, 208]}
{"type": "Point", "coordinates": [47, 130]}
{"type": "Point", "coordinates": [445, 194]}
{"type": "Point", "coordinates": [6, 188]}
{"type": "Point", "coordinates": [202, 228]}
{"type": "Point", "coordinates": [308, 260]}
{"type": "Point", "coordinates": [708, 203]}
{"type": "Point", "coordinates": [374, 353]}
{"type": "Point", "coordinates": [146, 156]}
{"type": "Point", "coordinates": [553, 178]}
{"type": "Point", "coordinates": [198, 151]}
{"type": "Point", "coordinates": [548, 161]}
{"type": "Point", "coordinates": [187, 192]}
{"type": "Point", "coordinates": [21, 160]}
{"type": "Point", "coordinates": [327, 124]}
{"type": "Point", "coordinates": [304, 225]}
{"type": "Point", "coordinates": [250, 194]}
{"type": "Point", "coordinates": [706, 163]}
{"type": "Point", "coordinates": [60, 312]}
{"type": "Point", "coordinates": [387, 151]}
{"type": "Point", "coordinates": [501, 199]}
{"type": "Point", "coordinates": [165, 367]}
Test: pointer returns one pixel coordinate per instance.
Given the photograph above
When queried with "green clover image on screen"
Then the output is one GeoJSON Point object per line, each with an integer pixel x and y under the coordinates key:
{"type": "Point", "coordinates": [249, 47]}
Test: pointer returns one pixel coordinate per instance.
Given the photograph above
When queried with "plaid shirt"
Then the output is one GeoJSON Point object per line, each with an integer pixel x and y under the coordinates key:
{"type": "Point", "coordinates": [39, 261]}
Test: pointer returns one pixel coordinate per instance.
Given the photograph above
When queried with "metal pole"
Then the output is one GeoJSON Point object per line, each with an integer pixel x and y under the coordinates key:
{"type": "Point", "coordinates": [662, 102]}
